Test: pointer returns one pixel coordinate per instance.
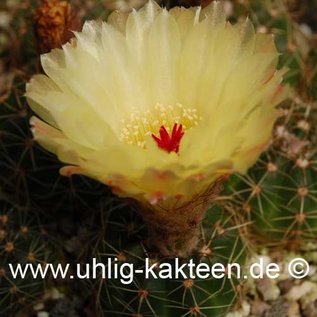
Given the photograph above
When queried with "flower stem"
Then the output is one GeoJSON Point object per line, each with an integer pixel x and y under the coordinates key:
{"type": "Point", "coordinates": [175, 232]}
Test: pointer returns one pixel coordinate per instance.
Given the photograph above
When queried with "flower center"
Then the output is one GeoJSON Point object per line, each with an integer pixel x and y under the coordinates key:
{"type": "Point", "coordinates": [169, 121]}
{"type": "Point", "coordinates": [167, 142]}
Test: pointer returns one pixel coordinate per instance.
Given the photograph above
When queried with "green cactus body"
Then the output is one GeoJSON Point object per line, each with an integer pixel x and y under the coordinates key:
{"type": "Point", "coordinates": [279, 193]}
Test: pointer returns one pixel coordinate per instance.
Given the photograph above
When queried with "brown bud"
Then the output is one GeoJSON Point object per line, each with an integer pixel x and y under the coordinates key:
{"type": "Point", "coordinates": [53, 22]}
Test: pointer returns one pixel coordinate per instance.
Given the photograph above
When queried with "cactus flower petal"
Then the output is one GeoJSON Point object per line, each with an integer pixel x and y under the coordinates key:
{"type": "Point", "coordinates": [158, 104]}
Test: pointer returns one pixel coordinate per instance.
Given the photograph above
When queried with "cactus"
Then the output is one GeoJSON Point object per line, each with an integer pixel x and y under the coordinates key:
{"type": "Point", "coordinates": [220, 243]}
{"type": "Point", "coordinates": [278, 194]}
{"type": "Point", "coordinates": [45, 217]}
{"type": "Point", "coordinates": [22, 240]}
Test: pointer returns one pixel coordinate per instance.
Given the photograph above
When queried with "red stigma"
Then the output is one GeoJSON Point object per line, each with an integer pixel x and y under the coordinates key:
{"type": "Point", "coordinates": [169, 142]}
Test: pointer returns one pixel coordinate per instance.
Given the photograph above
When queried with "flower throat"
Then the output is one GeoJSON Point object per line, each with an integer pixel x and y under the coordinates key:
{"type": "Point", "coordinates": [165, 124]}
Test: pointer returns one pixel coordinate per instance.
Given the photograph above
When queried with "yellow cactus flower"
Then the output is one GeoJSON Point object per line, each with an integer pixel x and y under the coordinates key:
{"type": "Point", "coordinates": [159, 104]}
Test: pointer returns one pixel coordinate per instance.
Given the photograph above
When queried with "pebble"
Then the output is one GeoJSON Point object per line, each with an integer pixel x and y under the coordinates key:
{"type": "Point", "coordinates": [268, 289]}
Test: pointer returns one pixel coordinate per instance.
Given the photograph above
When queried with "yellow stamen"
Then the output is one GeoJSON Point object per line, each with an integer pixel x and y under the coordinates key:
{"type": "Point", "coordinates": [139, 124]}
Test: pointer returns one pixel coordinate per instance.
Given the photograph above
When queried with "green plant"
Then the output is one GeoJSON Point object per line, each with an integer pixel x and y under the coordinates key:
{"type": "Point", "coordinates": [45, 217]}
